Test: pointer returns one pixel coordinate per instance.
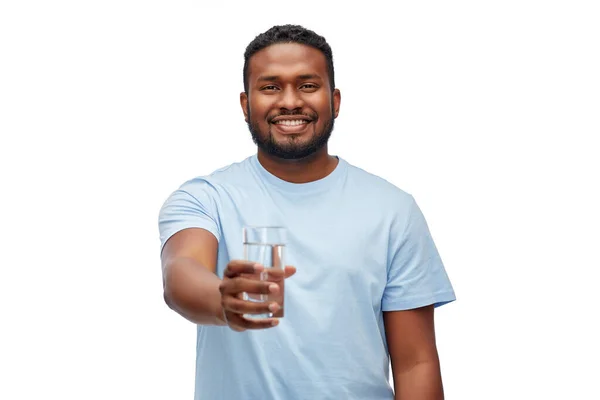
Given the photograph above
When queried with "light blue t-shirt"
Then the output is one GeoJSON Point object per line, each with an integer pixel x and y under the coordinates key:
{"type": "Point", "coordinates": [361, 246]}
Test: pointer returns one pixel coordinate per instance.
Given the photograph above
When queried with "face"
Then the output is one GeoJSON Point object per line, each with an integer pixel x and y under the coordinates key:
{"type": "Point", "coordinates": [289, 107]}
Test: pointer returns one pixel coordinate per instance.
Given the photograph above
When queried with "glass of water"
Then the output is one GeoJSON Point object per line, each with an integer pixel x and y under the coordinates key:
{"type": "Point", "coordinates": [265, 245]}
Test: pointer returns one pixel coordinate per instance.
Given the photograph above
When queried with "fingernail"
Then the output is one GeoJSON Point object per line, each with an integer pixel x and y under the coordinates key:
{"type": "Point", "coordinates": [273, 307]}
{"type": "Point", "coordinates": [258, 267]}
{"type": "Point", "coordinates": [275, 322]}
{"type": "Point", "coordinates": [273, 288]}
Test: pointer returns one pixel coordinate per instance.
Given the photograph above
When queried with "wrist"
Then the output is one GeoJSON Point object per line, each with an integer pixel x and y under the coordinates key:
{"type": "Point", "coordinates": [220, 316]}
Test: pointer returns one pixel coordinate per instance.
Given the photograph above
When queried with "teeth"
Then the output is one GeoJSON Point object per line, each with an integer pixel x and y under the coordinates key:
{"type": "Point", "coordinates": [291, 122]}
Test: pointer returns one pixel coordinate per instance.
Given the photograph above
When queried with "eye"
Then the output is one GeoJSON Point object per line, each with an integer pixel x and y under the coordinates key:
{"type": "Point", "coordinates": [269, 87]}
{"type": "Point", "coordinates": [309, 86]}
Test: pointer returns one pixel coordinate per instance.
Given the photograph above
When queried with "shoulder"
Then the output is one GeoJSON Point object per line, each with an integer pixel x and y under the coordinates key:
{"type": "Point", "coordinates": [375, 188]}
{"type": "Point", "coordinates": [212, 182]}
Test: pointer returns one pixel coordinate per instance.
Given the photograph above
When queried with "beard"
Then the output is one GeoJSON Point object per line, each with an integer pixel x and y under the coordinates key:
{"type": "Point", "coordinates": [291, 149]}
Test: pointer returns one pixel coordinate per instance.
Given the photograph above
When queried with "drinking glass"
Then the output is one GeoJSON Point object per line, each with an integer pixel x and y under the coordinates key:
{"type": "Point", "coordinates": [265, 245]}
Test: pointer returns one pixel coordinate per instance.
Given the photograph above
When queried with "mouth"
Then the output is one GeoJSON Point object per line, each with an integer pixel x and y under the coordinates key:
{"type": "Point", "coordinates": [291, 125]}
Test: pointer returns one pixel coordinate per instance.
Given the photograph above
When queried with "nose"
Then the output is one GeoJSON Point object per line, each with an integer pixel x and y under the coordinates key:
{"type": "Point", "coordinates": [290, 99]}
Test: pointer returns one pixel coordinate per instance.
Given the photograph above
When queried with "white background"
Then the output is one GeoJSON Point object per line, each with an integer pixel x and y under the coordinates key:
{"type": "Point", "coordinates": [487, 112]}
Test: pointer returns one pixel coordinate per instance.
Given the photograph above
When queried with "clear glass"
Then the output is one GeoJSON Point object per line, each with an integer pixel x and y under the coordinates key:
{"type": "Point", "coordinates": [265, 245]}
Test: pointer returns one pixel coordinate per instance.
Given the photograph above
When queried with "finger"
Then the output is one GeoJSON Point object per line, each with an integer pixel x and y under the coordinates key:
{"type": "Point", "coordinates": [238, 306]}
{"type": "Point", "coordinates": [237, 267]}
{"type": "Point", "coordinates": [237, 321]}
{"type": "Point", "coordinates": [289, 271]}
{"type": "Point", "coordinates": [237, 285]}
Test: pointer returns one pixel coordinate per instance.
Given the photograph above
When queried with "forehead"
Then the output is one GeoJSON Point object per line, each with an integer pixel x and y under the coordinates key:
{"type": "Point", "coordinates": [287, 60]}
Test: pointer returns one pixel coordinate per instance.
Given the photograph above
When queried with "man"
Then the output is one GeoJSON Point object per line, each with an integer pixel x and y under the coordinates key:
{"type": "Point", "coordinates": [368, 273]}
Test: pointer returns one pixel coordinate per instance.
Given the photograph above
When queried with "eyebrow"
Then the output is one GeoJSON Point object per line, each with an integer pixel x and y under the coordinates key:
{"type": "Point", "coordinates": [309, 76]}
{"type": "Point", "coordinates": [271, 78]}
{"type": "Point", "coordinates": [268, 78]}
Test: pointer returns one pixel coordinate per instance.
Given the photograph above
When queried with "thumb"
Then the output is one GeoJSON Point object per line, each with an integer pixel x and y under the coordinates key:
{"type": "Point", "coordinates": [289, 271]}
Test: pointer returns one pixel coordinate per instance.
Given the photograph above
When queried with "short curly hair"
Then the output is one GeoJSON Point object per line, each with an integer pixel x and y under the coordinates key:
{"type": "Point", "coordinates": [289, 34]}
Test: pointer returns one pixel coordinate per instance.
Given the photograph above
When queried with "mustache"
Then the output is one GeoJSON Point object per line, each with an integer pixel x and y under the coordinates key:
{"type": "Point", "coordinates": [311, 116]}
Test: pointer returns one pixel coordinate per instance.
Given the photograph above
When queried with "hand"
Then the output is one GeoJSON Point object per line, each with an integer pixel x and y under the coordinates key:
{"type": "Point", "coordinates": [238, 279]}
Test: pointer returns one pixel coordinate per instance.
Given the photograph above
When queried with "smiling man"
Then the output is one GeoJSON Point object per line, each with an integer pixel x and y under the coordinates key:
{"type": "Point", "coordinates": [293, 101]}
{"type": "Point", "coordinates": [366, 274]}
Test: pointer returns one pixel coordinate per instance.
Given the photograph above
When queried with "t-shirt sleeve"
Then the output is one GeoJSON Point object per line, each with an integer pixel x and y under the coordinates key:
{"type": "Point", "coordinates": [416, 274]}
{"type": "Point", "coordinates": [193, 205]}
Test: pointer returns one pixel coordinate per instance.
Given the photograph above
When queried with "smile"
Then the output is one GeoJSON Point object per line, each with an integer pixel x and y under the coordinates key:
{"type": "Point", "coordinates": [291, 126]}
{"type": "Point", "coordinates": [291, 122]}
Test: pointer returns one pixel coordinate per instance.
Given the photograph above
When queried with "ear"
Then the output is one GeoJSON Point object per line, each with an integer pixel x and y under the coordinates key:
{"type": "Point", "coordinates": [244, 104]}
{"type": "Point", "coordinates": [337, 98]}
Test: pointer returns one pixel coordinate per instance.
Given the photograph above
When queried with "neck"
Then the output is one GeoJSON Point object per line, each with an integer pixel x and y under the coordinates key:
{"type": "Point", "coordinates": [312, 168]}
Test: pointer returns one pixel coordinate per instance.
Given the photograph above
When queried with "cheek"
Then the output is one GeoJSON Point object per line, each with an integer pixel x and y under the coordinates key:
{"type": "Point", "coordinates": [260, 107]}
{"type": "Point", "coordinates": [322, 104]}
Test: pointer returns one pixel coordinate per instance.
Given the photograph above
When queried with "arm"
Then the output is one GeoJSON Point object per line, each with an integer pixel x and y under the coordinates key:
{"type": "Point", "coordinates": [413, 352]}
{"type": "Point", "coordinates": [190, 283]}
{"type": "Point", "coordinates": [192, 288]}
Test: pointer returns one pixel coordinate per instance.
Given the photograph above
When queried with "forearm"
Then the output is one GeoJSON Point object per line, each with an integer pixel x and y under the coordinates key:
{"type": "Point", "coordinates": [193, 291]}
{"type": "Point", "coordinates": [422, 381]}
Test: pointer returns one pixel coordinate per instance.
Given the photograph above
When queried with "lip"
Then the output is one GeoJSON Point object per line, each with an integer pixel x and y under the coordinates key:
{"type": "Point", "coordinates": [290, 118]}
{"type": "Point", "coordinates": [291, 129]}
